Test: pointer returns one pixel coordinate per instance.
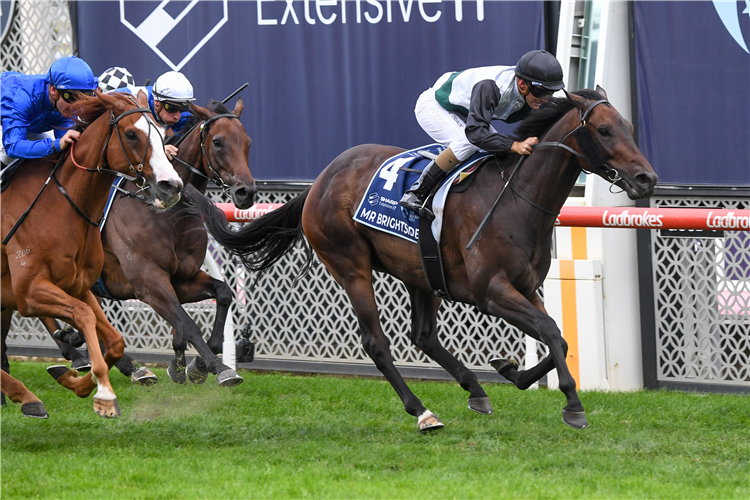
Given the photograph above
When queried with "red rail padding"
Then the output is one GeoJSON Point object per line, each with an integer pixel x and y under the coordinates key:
{"type": "Point", "coordinates": [653, 218]}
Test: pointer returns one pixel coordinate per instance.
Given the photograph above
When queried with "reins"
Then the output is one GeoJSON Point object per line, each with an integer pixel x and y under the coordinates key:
{"type": "Point", "coordinates": [591, 155]}
{"type": "Point", "coordinates": [137, 170]}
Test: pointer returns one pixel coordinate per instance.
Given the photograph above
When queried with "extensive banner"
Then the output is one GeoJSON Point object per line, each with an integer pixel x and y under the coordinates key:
{"type": "Point", "coordinates": [693, 69]}
{"type": "Point", "coordinates": [325, 75]}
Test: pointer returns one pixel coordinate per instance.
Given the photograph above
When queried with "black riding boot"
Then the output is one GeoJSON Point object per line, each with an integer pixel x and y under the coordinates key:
{"type": "Point", "coordinates": [416, 196]}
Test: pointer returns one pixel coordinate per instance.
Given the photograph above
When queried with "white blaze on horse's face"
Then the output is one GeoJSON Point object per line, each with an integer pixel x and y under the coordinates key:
{"type": "Point", "coordinates": [162, 168]}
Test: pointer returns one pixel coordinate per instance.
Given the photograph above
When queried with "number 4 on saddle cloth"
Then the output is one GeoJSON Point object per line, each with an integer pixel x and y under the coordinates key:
{"type": "Point", "coordinates": [380, 209]}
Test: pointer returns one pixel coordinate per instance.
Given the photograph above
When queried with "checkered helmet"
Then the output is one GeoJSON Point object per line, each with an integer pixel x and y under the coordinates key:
{"type": "Point", "coordinates": [116, 78]}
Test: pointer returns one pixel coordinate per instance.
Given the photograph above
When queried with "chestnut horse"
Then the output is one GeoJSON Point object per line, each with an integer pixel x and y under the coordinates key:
{"type": "Point", "coordinates": [54, 257]}
{"type": "Point", "coordinates": [157, 256]}
{"type": "Point", "coordinates": [500, 274]}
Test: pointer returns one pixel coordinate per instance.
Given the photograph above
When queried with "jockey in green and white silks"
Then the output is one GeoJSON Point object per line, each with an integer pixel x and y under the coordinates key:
{"type": "Point", "coordinates": [458, 110]}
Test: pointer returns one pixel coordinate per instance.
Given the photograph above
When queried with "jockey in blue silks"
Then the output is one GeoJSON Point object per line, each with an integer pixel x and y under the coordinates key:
{"type": "Point", "coordinates": [36, 110]}
{"type": "Point", "coordinates": [169, 100]}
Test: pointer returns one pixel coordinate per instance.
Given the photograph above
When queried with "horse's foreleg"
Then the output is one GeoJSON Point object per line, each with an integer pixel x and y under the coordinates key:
{"type": "Point", "coordinates": [45, 299]}
{"type": "Point", "coordinates": [69, 352]}
{"type": "Point", "coordinates": [424, 307]}
{"type": "Point", "coordinates": [504, 301]}
{"type": "Point", "coordinates": [161, 296]}
{"type": "Point", "coordinates": [523, 379]}
{"type": "Point", "coordinates": [205, 287]}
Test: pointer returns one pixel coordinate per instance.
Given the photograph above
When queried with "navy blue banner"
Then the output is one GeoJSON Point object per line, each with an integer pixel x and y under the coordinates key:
{"type": "Point", "coordinates": [324, 75]}
{"type": "Point", "coordinates": [693, 67]}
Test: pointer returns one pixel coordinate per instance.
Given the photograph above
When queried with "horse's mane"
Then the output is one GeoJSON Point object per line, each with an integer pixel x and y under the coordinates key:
{"type": "Point", "coordinates": [540, 121]}
{"type": "Point", "coordinates": [88, 108]}
{"type": "Point", "coordinates": [215, 107]}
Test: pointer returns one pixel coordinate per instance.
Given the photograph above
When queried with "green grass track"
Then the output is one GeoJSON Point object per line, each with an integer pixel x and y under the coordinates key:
{"type": "Point", "coordinates": [286, 436]}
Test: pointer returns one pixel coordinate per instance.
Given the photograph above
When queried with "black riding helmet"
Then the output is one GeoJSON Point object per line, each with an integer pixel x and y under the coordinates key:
{"type": "Point", "coordinates": [540, 69]}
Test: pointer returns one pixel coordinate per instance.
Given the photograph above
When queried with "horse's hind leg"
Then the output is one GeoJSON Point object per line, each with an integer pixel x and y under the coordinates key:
{"type": "Point", "coordinates": [424, 306]}
{"type": "Point", "coordinates": [351, 268]}
{"type": "Point", "coordinates": [31, 406]}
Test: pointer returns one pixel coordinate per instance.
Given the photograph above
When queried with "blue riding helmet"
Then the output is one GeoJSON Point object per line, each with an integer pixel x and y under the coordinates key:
{"type": "Point", "coordinates": [72, 73]}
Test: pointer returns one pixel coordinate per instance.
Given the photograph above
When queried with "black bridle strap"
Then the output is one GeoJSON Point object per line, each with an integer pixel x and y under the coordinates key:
{"type": "Point", "coordinates": [72, 204]}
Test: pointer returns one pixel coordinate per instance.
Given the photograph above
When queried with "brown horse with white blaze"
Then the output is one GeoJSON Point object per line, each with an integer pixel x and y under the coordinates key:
{"type": "Point", "coordinates": [500, 274]}
{"type": "Point", "coordinates": [54, 257]}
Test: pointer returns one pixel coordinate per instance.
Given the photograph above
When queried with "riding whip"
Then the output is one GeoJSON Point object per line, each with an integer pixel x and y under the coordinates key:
{"type": "Point", "coordinates": [486, 219]}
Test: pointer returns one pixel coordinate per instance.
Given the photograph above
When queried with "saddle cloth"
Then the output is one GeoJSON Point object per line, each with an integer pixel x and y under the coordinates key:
{"type": "Point", "coordinates": [379, 207]}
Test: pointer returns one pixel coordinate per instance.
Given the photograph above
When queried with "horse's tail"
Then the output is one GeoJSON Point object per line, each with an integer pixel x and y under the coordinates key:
{"type": "Point", "coordinates": [261, 243]}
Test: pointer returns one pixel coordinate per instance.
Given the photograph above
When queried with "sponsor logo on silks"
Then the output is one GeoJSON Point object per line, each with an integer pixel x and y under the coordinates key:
{"type": "Point", "coordinates": [155, 27]}
{"type": "Point", "coordinates": [624, 219]}
{"type": "Point", "coordinates": [373, 199]}
{"type": "Point", "coordinates": [729, 14]}
{"type": "Point", "coordinates": [729, 221]}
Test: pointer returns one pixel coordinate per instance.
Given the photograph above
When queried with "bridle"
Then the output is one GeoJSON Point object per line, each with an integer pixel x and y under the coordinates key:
{"type": "Point", "coordinates": [590, 154]}
{"type": "Point", "coordinates": [103, 168]}
{"type": "Point", "coordinates": [204, 128]}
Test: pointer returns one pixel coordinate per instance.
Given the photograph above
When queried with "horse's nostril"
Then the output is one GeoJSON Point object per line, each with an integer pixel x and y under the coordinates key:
{"type": "Point", "coordinates": [645, 180]}
{"type": "Point", "coordinates": [171, 186]}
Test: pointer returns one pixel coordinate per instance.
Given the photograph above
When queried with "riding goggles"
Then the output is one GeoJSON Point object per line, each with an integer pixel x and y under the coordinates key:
{"type": "Point", "coordinates": [539, 91]}
{"type": "Point", "coordinates": [171, 106]}
{"type": "Point", "coordinates": [71, 96]}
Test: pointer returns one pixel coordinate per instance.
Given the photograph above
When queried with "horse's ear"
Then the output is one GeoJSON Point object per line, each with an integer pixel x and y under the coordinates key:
{"type": "Point", "coordinates": [237, 111]}
{"type": "Point", "coordinates": [202, 113]}
{"type": "Point", "coordinates": [602, 92]}
{"type": "Point", "coordinates": [142, 98]}
{"type": "Point", "coordinates": [109, 100]}
{"type": "Point", "coordinates": [577, 100]}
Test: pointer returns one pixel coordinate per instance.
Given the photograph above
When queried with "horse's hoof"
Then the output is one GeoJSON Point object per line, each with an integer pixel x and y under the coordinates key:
{"type": "Point", "coordinates": [575, 419]}
{"type": "Point", "coordinates": [481, 405]}
{"type": "Point", "coordinates": [229, 378]}
{"type": "Point", "coordinates": [107, 408]}
{"type": "Point", "coordinates": [428, 421]}
{"type": "Point", "coordinates": [144, 376]}
{"type": "Point", "coordinates": [196, 371]}
{"type": "Point", "coordinates": [503, 365]}
{"type": "Point", "coordinates": [58, 371]}
{"type": "Point", "coordinates": [83, 365]}
{"type": "Point", "coordinates": [176, 372]}
{"type": "Point", "coordinates": [34, 410]}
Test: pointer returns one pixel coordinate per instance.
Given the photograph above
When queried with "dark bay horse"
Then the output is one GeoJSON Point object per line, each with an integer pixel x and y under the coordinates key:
{"type": "Point", "coordinates": [156, 256]}
{"type": "Point", "coordinates": [499, 275]}
{"type": "Point", "coordinates": [55, 256]}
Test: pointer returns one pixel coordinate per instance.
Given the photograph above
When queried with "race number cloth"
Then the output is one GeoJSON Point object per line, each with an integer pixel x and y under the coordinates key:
{"type": "Point", "coordinates": [379, 207]}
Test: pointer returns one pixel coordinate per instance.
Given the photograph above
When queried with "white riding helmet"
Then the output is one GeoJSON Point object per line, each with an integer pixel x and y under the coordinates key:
{"type": "Point", "coordinates": [173, 86]}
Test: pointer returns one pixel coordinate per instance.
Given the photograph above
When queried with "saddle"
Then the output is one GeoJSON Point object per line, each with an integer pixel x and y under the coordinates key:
{"type": "Point", "coordinates": [7, 173]}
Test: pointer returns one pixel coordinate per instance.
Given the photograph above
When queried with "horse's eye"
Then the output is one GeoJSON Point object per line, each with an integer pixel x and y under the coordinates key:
{"type": "Point", "coordinates": [217, 143]}
{"type": "Point", "coordinates": [131, 135]}
{"type": "Point", "coordinates": [603, 131]}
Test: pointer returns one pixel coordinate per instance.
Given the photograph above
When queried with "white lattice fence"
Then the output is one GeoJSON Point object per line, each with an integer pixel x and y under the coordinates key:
{"type": "Point", "coordinates": [702, 294]}
{"type": "Point", "coordinates": [39, 35]}
{"type": "Point", "coordinates": [309, 321]}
